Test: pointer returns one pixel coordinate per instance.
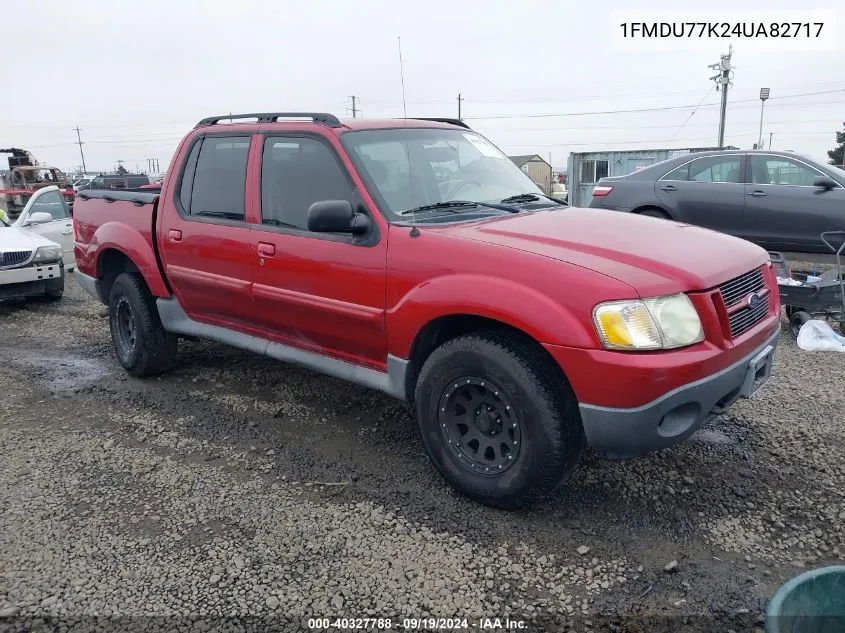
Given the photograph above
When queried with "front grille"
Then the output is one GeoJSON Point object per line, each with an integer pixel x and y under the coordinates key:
{"type": "Point", "coordinates": [14, 258]}
{"type": "Point", "coordinates": [741, 316]}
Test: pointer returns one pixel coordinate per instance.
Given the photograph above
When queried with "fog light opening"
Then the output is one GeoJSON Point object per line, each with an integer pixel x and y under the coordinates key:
{"type": "Point", "coordinates": [679, 420]}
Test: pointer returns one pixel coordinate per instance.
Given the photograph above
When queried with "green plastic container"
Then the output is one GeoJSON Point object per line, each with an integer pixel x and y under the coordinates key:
{"type": "Point", "coordinates": [813, 602]}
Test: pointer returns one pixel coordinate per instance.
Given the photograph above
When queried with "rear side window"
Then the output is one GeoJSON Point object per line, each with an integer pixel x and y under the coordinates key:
{"type": "Point", "coordinates": [218, 185]}
{"type": "Point", "coordinates": [709, 169]}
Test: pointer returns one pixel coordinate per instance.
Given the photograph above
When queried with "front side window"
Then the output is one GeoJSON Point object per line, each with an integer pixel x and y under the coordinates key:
{"type": "Point", "coordinates": [219, 180]}
{"type": "Point", "coordinates": [296, 172]}
{"type": "Point", "coordinates": [716, 169]}
{"type": "Point", "coordinates": [774, 170]}
{"type": "Point", "coordinates": [51, 203]}
{"type": "Point", "coordinates": [410, 168]}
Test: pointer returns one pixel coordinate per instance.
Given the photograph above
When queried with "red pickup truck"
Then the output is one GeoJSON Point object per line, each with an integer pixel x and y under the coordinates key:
{"type": "Point", "coordinates": [411, 256]}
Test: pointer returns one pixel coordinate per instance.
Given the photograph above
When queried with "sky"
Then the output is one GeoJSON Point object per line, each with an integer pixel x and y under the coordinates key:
{"type": "Point", "coordinates": [535, 76]}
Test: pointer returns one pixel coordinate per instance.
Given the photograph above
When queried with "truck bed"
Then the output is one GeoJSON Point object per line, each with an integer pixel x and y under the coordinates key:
{"type": "Point", "coordinates": [124, 219]}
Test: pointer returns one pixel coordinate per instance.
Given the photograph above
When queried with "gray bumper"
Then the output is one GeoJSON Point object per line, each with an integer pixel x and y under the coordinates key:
{"type": "Point", "coordinates": [89, 285]}
{"type": "Point", "coordinates": [672, 418]}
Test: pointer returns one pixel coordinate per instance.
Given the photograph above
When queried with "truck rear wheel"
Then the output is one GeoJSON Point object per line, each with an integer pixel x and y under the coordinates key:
{"type": "Point", "coordinates": [140, 341]}
{"type": "Point", "coordinates": [499, 425]}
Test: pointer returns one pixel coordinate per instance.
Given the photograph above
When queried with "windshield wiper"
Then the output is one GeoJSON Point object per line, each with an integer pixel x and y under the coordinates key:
{"type": "Point", "coordinates": [522, 197]}
{"type": "Point", "coordinates": [455, 206]}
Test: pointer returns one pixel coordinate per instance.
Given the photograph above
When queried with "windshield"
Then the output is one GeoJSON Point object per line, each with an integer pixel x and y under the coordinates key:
{"type": "Point", "coordinates": [412, 168]}
{"type": "Point", "coordinates": [838, 172]}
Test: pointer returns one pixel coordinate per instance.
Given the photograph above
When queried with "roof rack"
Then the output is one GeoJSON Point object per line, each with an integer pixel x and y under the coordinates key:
{"type": "Point", "coordinates": [443, 120]}
{"type": "Point", "coordinates": [324, 118]}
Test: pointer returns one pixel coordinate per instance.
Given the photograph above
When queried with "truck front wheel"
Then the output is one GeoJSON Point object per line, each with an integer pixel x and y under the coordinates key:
{"type": "Point", "coordinates": [141, 343]}
{"type": "Point", "coordinates": [498, 423]}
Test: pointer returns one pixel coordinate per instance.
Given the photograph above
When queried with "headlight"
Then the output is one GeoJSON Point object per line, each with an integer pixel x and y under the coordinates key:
{"type": "Point", "coordinates": [658, 323]}
{"type": "Point", "coordinates": [47, 253]}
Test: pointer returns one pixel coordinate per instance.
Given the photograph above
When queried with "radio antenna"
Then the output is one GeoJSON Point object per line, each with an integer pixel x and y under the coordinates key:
{"type": "Point", "coordinates": [414, 230]}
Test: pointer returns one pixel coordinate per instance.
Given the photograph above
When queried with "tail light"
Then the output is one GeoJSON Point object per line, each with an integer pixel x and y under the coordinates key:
{"type": "Point", "coordinates": [600, 191]}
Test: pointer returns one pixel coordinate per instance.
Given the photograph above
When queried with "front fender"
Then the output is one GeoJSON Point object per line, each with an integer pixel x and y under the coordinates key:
{"type": "Point", "coordinates": [124, 239]}
{"type": "Point", "coordinates": [527, 309]}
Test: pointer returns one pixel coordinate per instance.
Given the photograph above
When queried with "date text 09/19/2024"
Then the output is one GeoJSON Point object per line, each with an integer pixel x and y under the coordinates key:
{"type": "Point", "coordinates": [416, 624]}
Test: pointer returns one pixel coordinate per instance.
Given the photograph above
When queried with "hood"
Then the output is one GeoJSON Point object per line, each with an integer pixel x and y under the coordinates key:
{"type": "Point", "coordinates": [652, 255]}
{"type": "Point", "coordinates": [15, 239]}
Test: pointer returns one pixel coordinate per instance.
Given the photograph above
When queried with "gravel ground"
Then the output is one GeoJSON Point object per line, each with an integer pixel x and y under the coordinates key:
{"type": "Point", "coordinates": [241, 494]}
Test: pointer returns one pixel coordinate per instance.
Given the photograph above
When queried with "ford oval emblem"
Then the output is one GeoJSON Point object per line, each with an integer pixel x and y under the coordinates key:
{"type": "Point", "coordinates": [754, 300]}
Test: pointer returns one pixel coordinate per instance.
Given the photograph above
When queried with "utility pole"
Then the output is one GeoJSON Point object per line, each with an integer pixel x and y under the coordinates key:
{"type": "Point", "coordinates": [723, 80]}
{"type": "Point", "coordinates": [460, 99]}
{"type": "Point", "coordinates": [81, 155]}
{"type": "Point", "coordinates": [354, 106]}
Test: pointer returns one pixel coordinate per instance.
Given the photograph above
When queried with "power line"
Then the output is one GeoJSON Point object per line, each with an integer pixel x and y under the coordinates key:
{"type": "Point", "coordinates": [694, 110]}
{"type": "Point", "coordinates": [793, 122]}
{"type": "Point", "coordinates": [656, 109]}
{"type": "Point", "coordinates": [605, 96]}
{"type": "Point", "coordinates": [629, 142]}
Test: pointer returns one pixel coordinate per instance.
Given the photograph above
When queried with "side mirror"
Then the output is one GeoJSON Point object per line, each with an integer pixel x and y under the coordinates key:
{"type": "Point", "coordinates": [825, 182]}
{"type": "Point", "coordinates": [337, 216]}
{"type": "Point", "coordinates": [39, 217]}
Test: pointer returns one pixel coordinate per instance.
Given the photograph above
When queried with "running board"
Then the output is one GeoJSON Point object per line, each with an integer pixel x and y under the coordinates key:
{"type": "Point", "coordinates": [175, 320]}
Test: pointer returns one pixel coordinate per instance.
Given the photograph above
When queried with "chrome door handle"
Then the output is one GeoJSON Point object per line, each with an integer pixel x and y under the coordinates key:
{"type": "Point", "coordinates": [757, 194]}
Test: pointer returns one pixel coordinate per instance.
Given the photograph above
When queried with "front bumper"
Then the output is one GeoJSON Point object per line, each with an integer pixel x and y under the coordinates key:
{"type": "Point", "coordinates": [29, 281]}
{"type": "Point", "coordinates": [672, 418]}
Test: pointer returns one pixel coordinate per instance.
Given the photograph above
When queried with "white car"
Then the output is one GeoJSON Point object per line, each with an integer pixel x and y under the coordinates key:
{"type": "Point", "coordinates": [47, 214]}
{"type": "Point", "coordinates": [30, 265]}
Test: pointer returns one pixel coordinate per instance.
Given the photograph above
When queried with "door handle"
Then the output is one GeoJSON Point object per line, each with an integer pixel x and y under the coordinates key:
{"type": "Point", "coordinates": [669, 188]}
{"type": "Point", "coordinates": [266, 250]}
{"type": "Point", "coordinates": [174, 235]}
{"type": "Point", "coordinates": [757, 194]}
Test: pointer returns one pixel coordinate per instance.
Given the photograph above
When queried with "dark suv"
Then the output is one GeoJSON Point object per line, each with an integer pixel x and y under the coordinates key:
{"type": "Point", "coordinates": [778, 200]}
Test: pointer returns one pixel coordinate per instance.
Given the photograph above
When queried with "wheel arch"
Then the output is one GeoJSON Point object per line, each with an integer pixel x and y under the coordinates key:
{"type": "Point", "coordinates": [111, 263]}
{"type": "Point", "coordinates": [652, 207]}
{"type": "Point", "coordinates": [447, 327]}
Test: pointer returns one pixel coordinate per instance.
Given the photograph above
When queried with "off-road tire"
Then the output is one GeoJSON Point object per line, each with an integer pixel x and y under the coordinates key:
{"type": "Point", "coordinates": [551, 433]}
{"type": "Point", "coordinates": [152, 350]}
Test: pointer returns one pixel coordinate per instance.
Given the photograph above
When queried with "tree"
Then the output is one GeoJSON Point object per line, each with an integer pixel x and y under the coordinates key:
{"type": "Point", "coordinates": [837, 156]}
